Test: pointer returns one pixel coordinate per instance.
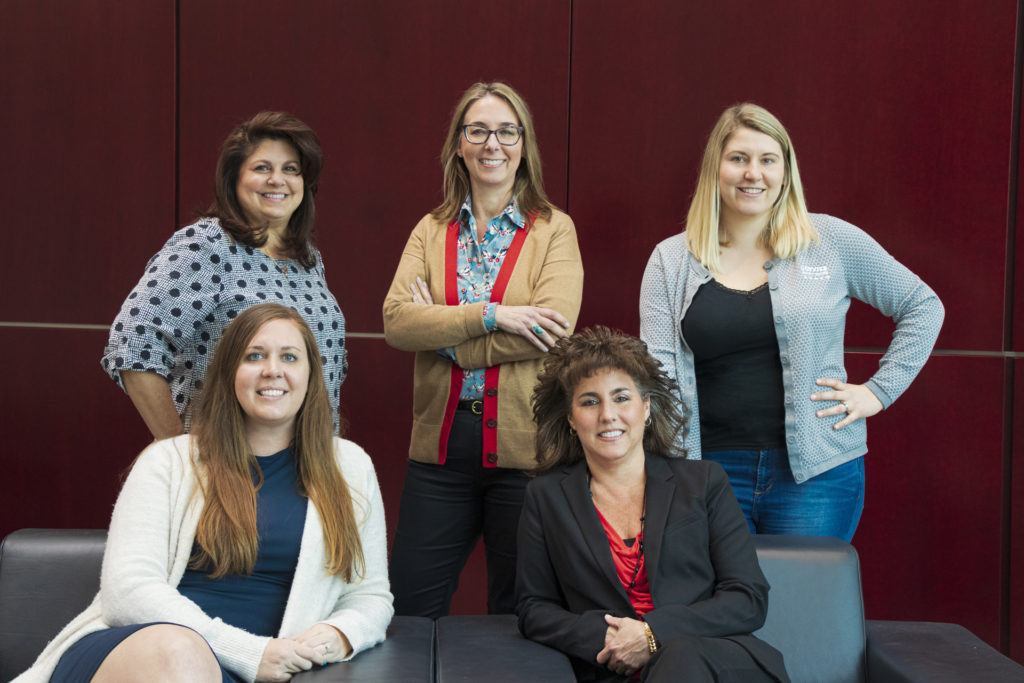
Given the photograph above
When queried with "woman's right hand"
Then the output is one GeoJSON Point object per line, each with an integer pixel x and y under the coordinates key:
{"type": "Point", "coordinates": [283, 657]}
{"type": "Point", "coordinates": [541, 326]}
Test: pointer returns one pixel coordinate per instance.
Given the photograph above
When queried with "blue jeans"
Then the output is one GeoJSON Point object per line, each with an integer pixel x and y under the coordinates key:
{"type": "Point", "coordinates": [829, 504]}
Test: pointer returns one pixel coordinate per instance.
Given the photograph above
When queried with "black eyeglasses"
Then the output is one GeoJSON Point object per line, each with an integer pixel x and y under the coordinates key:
{"type": "Point", "coordinates": [506, 135]}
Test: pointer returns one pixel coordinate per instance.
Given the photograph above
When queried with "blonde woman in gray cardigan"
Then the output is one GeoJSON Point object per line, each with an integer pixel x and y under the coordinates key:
{"type": "Point", "coordinates": [748, 308]}
{"type": "Point", "coordinates": [253, 548]}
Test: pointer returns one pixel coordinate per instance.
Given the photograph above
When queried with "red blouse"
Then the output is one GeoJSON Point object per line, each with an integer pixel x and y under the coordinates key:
{"type": "Point", "coordinates": [630, 565]}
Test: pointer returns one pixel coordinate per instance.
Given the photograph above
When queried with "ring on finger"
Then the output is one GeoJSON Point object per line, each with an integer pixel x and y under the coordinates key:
{"type": "Point", "coordinates": [846, 406]}
{"type": "Point", "coordinates": [537, 329]}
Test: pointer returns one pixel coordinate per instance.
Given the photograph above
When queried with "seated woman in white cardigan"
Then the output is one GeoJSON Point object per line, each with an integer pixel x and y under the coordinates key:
{"type": "Point", "coordinates": [253, 548]}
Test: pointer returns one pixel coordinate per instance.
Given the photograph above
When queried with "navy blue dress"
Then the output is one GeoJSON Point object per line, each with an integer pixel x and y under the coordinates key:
{"type": "Point", "coordinates": [254, 602]}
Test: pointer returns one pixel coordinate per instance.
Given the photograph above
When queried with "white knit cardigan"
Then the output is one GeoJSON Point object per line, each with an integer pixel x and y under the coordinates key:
{"type": "Point", "coordinates": [150, 541]}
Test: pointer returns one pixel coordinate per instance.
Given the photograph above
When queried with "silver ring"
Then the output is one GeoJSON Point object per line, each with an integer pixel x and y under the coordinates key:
{"type": "Point", "coordinates": [537, 329]}
{"type": "Point", "coordinates": [846, 406]}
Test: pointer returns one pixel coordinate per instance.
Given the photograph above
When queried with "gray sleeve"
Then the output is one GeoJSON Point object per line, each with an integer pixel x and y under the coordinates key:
{"type": "Point", "coordinates": [876, 278]}
{"type": "Point", "coordinates": [657, 312]}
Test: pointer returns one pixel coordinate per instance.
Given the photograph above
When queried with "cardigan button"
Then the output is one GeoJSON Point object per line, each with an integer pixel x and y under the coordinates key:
{"type": "Point", "coordinates": [492, 423]}
{"type": "Point", "coordinates": [492, 458]}
{"type": "Point", "coordinates": [492, 392]}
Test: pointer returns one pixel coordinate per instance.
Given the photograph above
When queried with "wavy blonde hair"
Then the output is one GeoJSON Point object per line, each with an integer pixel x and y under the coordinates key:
{"type": "Point", "coordinates": [789, 229]}
{"type": "Point", "coordinates": [226, 535]}
{"type": "Point", "coordinates": [528, 189]}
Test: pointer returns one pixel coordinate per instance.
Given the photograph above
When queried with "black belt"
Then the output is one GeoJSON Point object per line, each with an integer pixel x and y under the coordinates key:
{"type": "Point", "coordinates": [475, 406]}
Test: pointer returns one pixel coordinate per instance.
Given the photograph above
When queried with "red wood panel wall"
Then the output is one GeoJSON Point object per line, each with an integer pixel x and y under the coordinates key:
{"type": "Point", "coordinates": [902, 116]}
{"type": "Point", "coordinates": [88, 113]}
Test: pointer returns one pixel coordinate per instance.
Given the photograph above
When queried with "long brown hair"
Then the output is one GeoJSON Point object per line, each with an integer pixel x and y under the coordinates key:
{"type": "Point", "coordinates": [581, 355]}
{"type": "Point", "coordinates": [297, 241]}
{"type": "Point", "coordinates": [227, 537]}
{"type": "Point", "coordinates": [528, 188]}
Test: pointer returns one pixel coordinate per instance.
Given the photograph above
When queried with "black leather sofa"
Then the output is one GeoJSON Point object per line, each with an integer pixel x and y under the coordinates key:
{"type": "Point", "coordinates": [815, 618]}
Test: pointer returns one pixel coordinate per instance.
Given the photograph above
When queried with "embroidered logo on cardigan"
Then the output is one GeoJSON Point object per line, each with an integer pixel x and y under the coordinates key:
{"type": "Point", "coordinates": [815, 272]}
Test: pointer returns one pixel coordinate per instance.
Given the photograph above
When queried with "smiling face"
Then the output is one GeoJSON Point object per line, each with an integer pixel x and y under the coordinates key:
{"type": "Point", "coordinates": [491, 165]}
{"type": "Point", "coordinates": [750, 175]}
{"type": "Point", "coordinates": [271, 380]}
{"type": "Point", "coordinates": [608, 413]}
{"type": "Point", "coordinates": [270, 185]}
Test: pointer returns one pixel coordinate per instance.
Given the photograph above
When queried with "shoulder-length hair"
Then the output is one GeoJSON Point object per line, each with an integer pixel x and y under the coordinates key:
{"type": "Point", "coordinates": [227, 537]}
{"type": "Point", "coordinates": [297, 242]}
{"type": "Point", "coordinates": [789, 229]}
{"type": "Point", "coordinates": [528, 189]}
{"type": "Point", "coordinates": [581, 355]}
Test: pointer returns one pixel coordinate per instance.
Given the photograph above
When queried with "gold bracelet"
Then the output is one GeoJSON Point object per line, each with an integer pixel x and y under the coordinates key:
{"type": "Point", "coordinates": [652, 644]}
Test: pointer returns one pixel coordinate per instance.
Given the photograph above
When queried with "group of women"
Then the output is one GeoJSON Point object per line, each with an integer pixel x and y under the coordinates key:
{"type": "Point", "coordinates": [248, 542]}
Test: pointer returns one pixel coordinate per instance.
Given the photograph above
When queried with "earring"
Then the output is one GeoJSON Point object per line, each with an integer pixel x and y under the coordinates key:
{"type": "Point", "coordinates": [572, 431]}
{"type": "Point", "coordinates": [647, 422]}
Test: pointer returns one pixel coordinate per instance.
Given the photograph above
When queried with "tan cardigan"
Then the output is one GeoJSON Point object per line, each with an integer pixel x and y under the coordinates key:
{"type": "Point", "coordinates": [548, 273]}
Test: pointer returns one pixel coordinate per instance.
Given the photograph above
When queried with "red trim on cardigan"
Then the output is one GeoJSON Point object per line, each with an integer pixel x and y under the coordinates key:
{"type": "Point", "coordinates": [490, 445]}
{"type": "Point", "coordinates": [451, 297]}
{"type": "Point", "coordinates": [491, 374]}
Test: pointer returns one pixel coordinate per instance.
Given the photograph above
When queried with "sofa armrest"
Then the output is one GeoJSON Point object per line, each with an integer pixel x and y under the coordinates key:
{"type": "Point", "coordinates": [490, 648]}
{"type": "Point", "coordinates": [405, 656]}
{"type": "Point", "coordinates": [47, 576]}
{"type": "Point", "coordinates": [920, 651]}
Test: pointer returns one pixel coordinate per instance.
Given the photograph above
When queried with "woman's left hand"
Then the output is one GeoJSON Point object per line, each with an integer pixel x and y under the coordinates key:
{"type": "Point", "coordinates": [420, 292]}
{"type": "Point", "coordinates": [855, 401]}
{"type": "Point", "coordinates": [625, 646]}
{"type": "Point", "coordinates": [329, 643]}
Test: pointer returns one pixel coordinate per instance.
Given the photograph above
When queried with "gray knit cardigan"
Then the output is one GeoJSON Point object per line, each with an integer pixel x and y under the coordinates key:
{"type": "Point", "coordinates": [810, 295]}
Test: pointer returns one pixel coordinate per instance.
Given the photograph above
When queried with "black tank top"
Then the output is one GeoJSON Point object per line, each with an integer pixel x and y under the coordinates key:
{"type": "Point", "coordinates": [739, 376]}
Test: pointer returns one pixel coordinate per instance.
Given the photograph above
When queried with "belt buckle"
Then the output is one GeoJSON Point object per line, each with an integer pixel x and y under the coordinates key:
{"type": "Point", "coordinates": [476, 407]}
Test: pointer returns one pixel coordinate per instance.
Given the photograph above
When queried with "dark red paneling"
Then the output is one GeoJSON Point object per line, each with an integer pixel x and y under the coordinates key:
{"type": "Point", "coordinates": [88, 111]}
{"type": "Point", "coordinates": [903, 131]}
{"type": "Point", "coordinates": [1016, 549]}
{"type": "Point", "coordinates": [376, 403]}
{"type": "Point", "coordinates": [377, 81]}
{"type": "Point", "coordinates": [931, 536]}
{"type": "Point", "coordinates": [1017, 192]}
{"type": "Point", "coordinates": [69, 432]}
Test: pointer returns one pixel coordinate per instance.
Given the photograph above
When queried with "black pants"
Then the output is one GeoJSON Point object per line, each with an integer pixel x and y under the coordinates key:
{"type": "Point", "coordinates": [443, 511]}
{"type": "Point", "coordinates": [692, 659]}
{"type": "Point", "coordinates": [696, 660]}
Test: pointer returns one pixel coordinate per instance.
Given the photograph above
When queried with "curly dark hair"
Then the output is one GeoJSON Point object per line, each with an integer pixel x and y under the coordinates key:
{"type": "Point", "coordinates": [580, 356]}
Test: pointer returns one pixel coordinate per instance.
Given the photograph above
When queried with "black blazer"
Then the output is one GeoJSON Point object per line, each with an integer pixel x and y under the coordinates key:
{"type": "Point", "coordinates": [701, 564]}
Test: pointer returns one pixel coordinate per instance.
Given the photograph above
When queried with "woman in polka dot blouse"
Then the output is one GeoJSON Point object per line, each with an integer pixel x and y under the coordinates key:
{"type": "Point", "coordinates": [253, 246]}
{"type": "Point", "coordinates": [748, 309]}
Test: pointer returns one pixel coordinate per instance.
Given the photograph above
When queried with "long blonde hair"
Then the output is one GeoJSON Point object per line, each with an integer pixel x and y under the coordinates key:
{"type": "Point", "coordinates": [528, 189]}
{"type": "Point", "coordinates": [226, 535]}
{"type": "Point", "coordinates": [789, 229]}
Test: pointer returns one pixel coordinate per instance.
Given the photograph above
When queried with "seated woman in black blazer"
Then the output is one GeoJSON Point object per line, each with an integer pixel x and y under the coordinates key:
{"type": "Point", "coordinates": [631, 562]}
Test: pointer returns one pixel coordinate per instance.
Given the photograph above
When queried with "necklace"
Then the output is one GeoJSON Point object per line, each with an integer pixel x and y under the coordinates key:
{"type": "Point", "coordinates": [639, 537]}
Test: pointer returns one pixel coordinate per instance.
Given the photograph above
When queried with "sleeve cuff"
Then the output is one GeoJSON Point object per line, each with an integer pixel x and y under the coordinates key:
{"type": "Point", "coordinates": [490, 317]}
{"type": "Point", "coordinates": [879, 393]}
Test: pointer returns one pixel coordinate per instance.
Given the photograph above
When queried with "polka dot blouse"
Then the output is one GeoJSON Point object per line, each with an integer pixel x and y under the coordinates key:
{"type": "Point", "coordinates": [193, 287]}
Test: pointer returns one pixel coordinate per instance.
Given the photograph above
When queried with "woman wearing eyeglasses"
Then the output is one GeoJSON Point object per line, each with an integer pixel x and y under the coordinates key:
{"type": "Point", "coordinates": [488, 282]}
